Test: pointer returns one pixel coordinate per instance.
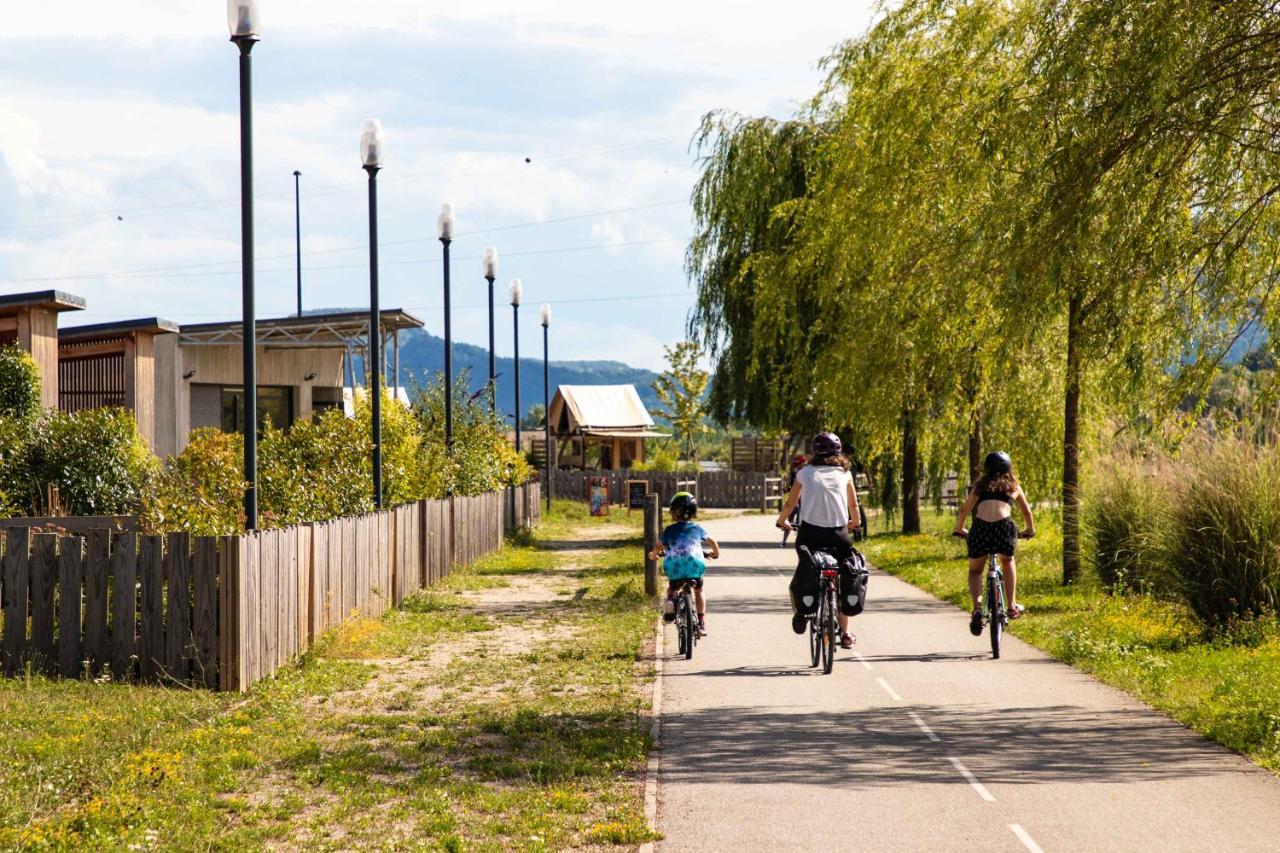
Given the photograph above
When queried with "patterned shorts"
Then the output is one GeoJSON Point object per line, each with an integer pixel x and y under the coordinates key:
{"type": "Point", "coordinates": [992, 537]}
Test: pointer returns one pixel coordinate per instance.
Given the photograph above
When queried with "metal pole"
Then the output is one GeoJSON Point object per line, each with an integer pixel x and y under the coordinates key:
{"type": "Point", "coordinates": [297, 231]}
{"type": "Point", "coordinates": [546, 405]}
{"type": "Point", "coordinates": [515, 314]}
{"type": "Point", "coordinates": [395, 343]}
{"type": "Point", "coordinates": [448, 354]}
{"type": "Point", "coordinates": [249, 332]}
{"type": "Point", "coordinates": [493, 371]}
{"type": "Point", "coordinates": [375, 336]}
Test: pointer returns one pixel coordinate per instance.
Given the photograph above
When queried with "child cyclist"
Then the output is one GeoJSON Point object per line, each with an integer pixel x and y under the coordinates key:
{"type": "Point", "coordinates": [994, 531]}
{"type": "Point", "coordinates": [681, 548]}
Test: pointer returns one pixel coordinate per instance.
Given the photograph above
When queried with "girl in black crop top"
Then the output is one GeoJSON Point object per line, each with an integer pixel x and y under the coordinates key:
{"type": "Point", "coordinates": [993, 531]}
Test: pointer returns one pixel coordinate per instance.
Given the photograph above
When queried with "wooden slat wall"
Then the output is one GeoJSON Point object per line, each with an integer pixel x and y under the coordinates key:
{"type": "Point", "coordinates": [226, 612]}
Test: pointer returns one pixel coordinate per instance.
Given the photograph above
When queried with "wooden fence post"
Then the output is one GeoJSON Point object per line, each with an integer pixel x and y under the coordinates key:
{"type": "Point", "coordinates": [652, 521]}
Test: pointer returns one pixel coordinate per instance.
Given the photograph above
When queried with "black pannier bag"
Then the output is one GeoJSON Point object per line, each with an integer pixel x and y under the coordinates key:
{"type": "Point", "coordinates": [804, 588]}
{"type": "Point", "coordinates": [853, 585]}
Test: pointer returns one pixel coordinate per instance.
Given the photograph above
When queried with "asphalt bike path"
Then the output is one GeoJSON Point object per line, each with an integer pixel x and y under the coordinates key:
{"type": "Point", "coordinates": [918, 740]}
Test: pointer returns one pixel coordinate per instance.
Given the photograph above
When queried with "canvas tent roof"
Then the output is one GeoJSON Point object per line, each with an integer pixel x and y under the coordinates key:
{"type": "Point", "coordinates": [607, 410]}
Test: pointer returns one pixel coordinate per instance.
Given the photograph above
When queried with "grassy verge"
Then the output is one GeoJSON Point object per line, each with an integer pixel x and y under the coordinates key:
{"type": "Point", "coordinates": [462, 721]}
{"type": "Point", "coordinates": [1225, 685]}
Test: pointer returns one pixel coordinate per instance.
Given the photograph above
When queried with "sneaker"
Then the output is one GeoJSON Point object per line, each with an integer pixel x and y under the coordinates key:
{"type": "Point", "coordinates": [847, 641]}
{"type": "Point", "coordinates": [668, 611]}
{"type": "Point", "coordinates": [702, 626]}
{"type": "Point", "coordinates": [799, 623]}
{"type": "Point", "coordinates": [975, 623]}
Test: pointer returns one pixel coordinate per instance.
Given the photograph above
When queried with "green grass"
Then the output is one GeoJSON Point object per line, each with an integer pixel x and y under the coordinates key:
{"type": "Point", "coordinates": [436, 727]}
{"type": "Point", "coordinates": [1225, 685]}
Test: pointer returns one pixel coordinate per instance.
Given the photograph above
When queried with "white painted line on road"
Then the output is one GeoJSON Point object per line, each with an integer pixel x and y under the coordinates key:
{"type": "Point", "coordinates": [972, 780]}
{"type": "Point", "coordinates": [924, 727]}
{"type": "Point", "coordinates": [1026, 839]}
{"type": "Point", "coordinates": [892, 693]}
{"type": "Point", "coordinates": [865, 662]}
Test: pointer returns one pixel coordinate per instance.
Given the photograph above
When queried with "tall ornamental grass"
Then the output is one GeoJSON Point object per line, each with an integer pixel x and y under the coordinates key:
{"type": "Point", "coordinates": [1204, 526]}
{"type": "Point", "coordinates": [1124, 523]}
{"type": "Point", "coordinates": [1224, 534]}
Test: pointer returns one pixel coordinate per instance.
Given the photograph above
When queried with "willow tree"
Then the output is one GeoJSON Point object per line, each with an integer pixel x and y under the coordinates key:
{"type": "Point", "coordinates": [1142, 216]}
{"type": "Point", "coordinates": [760, 331]}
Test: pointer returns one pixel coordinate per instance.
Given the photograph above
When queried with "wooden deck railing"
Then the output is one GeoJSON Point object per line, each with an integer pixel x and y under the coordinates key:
{"type": "Point", "coordinates": [225, 612]}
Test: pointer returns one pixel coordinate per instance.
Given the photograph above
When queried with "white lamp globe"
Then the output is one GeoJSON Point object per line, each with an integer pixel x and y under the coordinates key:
{"type": "Point", "coordinates": [517, 291]}
{"type": "Point", "coordinates": [444, 222]}
{"type": "Point", "coordinates": [490, 262]}
{"type": "Point", "coordinates": [242, 18]}
{"type": "Point", "coordinates": [371, 143]}
{"type": "Point", "coordinates": [545, 314]}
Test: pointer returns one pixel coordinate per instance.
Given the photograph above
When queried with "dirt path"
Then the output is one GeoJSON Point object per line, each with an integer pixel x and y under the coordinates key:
{"type": "Point", "coordinates": [507, 709]}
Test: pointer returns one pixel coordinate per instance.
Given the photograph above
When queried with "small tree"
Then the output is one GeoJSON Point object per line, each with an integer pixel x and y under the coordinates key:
{"type": "Point", "coordinates": [682, 389]}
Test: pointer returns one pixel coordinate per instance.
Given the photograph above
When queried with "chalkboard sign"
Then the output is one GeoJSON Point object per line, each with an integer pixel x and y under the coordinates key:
{"type": "Point", "coordinates": [598, 496]}
{"type": "Point", "coordinates": [636, 491]}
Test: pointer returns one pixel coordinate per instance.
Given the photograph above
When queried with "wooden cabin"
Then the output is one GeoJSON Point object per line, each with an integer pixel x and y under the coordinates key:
{"type": "Point", "coordinates": [608, 419]}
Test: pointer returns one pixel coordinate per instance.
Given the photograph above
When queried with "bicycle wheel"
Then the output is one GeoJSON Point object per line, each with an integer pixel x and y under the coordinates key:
{"type": "Point", "coordinates": [828, 631]}
{"type": "Point", "coordinates": [682, 633]}
{"type": "Point", "coordinates": [815, 641]}
{"type": "Point", "coordinates": [996, 609]}
{"type": "Point", "coordinates": [690, 628]}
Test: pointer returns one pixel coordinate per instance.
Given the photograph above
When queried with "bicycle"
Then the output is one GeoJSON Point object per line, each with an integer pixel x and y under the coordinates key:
{"type": "Point", "coordinates": [824, 629]}
{"type": "Point", "coordinates": [995, 614]}
{"type": "Point", "coordinates": [687, 630]}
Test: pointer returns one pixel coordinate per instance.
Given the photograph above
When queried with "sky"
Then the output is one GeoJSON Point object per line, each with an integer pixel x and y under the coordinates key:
{"type": "Point", "coordinates": [559, 131]}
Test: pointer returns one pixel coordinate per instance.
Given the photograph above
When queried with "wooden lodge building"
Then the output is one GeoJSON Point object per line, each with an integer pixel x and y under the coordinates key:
{"type": "Point", "coordinates": [177, 378]}
{"type": "Point", "coordinates": [610, 418]}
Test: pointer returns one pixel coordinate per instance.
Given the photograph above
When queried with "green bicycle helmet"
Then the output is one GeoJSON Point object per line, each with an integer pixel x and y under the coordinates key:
{"type": "Point", "coordinates": [684, 505]}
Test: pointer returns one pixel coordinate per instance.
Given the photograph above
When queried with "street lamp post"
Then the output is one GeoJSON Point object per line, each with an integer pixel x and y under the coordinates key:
{"type": "Point", "coordinates": [371, 156]}
{"type": "Point", "coordinates": [444, 228]}
{"type": "Point", "coordinates": [297, 230]}
{"type": "Point", "coordinates": [490, 273]}
{"type": "Point", "coordinates": [516, 290]}
{"type": "Point", "coordinates": [242, 20]}
{"type": "Point", "coordinates": [546, 395]}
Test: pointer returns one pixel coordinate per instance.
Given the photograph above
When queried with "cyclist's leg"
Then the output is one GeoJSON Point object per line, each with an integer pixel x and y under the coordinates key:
{"type": "Point", "coordinates": [1010, 569]}
{"type": "Point", "coordinates": [698, 599]}
{"type": "Point", "coordinates": [977, 567]}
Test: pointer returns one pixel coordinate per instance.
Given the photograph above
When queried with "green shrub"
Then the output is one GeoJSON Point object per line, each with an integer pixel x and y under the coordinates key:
{"type": "Point", "coordinates": [1124, 519]}
{"type": "Point", "coordinates": [95, 457]}
{"type": "Point", "coordinates": [202, 489]}
{"type": "Point", "coordinates": [482, 459]}
{"type": "Point", "coordinates": [1224, 531]}
{"type": "Point", "coordinates": [19, 384]}
{"type": "Point", "coordinates": [316, 471]}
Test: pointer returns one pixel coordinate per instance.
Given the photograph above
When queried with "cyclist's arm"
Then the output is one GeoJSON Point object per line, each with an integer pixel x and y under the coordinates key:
{"type": "Point", "coordinates": [855, 517]}
{"type": "Point", "coordinates": [1025, 509]}
{"type": "Point", "coordinates": [712, 546]}
{"type": "Point", "coordinates": [793, 498]}
{"type": "Point", "coordinates": [965, 509]}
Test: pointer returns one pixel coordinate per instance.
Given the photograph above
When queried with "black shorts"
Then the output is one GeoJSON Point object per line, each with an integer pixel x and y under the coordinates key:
{"type": "Point", "coordinates": [673, 585]}
{"type": "Point", "coordinates": [834, 540]}
{"type": "Point", "coordinates": [992, 537]}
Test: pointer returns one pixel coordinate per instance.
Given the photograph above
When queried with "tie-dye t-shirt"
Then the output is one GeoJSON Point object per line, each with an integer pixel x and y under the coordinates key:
{"type": "Point", "coordinates": [683, 558]}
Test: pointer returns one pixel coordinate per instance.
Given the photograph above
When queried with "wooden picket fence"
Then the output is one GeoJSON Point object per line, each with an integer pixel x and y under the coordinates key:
{"type": "Point", "coordinates": [225, 612]}
{"type": "Point", "coordinates": [718, 489]}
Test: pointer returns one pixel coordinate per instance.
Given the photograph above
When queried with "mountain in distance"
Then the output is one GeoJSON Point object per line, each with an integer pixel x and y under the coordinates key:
{"type": "Point", "coordinates": [422, 356]}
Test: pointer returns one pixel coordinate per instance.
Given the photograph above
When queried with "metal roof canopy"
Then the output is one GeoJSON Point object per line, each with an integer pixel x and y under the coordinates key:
{"type": "Point", "coordinates": [56, 300]}
{"type": "Point", "coordinates": [101, 331]}
{"type": "Point", "coordinates": [339, 330]}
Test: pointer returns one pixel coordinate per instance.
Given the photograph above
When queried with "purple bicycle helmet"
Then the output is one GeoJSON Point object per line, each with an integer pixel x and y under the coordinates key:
{"type": "Point", "coordinates": [826, 442]}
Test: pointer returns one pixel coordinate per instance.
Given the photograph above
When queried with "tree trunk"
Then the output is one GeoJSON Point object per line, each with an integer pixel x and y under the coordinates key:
{"type": "Point", "coordinates": [975, 448]}
{"type": "Point", "coordinates": [1071, 450]}
{"type": "Point", "coordinates": [910, 475]}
